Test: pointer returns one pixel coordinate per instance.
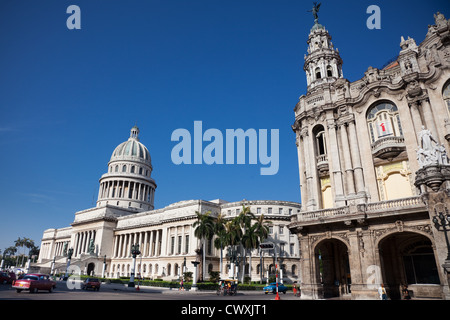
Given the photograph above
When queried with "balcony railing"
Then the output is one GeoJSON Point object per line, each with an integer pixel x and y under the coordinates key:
{"type": "Point", "coordinates": [388, 147]}
{"type": "Point", "coordinates": [390, 207]}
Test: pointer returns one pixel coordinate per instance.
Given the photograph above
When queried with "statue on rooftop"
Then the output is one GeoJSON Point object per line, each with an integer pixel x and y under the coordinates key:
{"type": "Point", "coordinates": [315, 11]}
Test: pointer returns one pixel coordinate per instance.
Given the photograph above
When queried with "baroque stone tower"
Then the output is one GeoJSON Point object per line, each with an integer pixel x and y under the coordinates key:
{"type": "Point", "coordinates": [375, 198]}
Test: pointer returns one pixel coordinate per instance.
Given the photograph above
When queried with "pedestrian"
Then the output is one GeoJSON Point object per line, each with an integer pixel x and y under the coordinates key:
{"type": "Point", "coordinates": [382, 292]}
{"type": "Point", "coordinates": [294, 288]}
{"type": "Point", "coordinates": [181, 284]}
{"type": "Point", "coordinates": [405, 293]}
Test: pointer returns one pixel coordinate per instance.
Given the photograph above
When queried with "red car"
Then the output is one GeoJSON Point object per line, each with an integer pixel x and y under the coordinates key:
{"type": "Point", "coordinates": [34, 282]}
{"type": "Point", "coordinates": [91, 283]}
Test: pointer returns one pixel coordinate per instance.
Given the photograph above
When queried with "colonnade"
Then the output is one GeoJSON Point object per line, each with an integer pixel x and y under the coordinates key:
{"type": "Point", "coordinates": [124, 189]}
{"type": "Point", "coordinates": [152, 243]}
{"type": "Point", "coordinates": [82, 240]}
{"type": "Point", "coordinates": [347, 180]}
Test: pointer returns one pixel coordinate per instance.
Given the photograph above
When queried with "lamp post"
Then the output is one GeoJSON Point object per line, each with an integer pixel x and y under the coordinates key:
{"type": "Point", "coordinates": [443, 220]}
{"type": "Point", "coordinates": [53, 266]}
{"type": "Point", "coordinates": [104, 266]}
{"type": "Point", "coordinates": [69, 257]}
{"type": "Point", "coordinates": [134, 252]}
{"type": "Point", "coordinates": [194, 280]}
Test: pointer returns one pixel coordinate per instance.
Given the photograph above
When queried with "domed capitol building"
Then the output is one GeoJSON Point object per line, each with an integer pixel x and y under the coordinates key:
{"type": "Point", "coordinates": [125, 216]}
{"type": "Point", "coordinates": [374, 179]}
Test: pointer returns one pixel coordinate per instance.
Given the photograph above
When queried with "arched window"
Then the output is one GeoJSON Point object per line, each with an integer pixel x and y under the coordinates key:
{"type": "Point", "coordinates": [329, 71]}
{"type": "Point", "coordinates": [132, 169]}
{"type": "Point", "coordinates": [318, 74]}
{"type": "Point", "coordinates": [446, 95]}
{"type": "Point", "coordinates": [321, 146]}
{"type": "Point", "coordinates": [294, 270]}
{"type": "Point", "coordinates": [124, 168]}
{"type": "Point", "coordinates": [383, 121]}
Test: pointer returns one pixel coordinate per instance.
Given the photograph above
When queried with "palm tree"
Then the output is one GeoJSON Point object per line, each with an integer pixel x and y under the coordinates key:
{"type": "Point", "coordinates": [244, 219]}
{"type": "Point", "coordinates": [262, 228]}
{"type": "Point", "coordinates": [20, 243]}
{"type": "Point", "coordinates": [262, 231]}
{"type": "Point", "coordinates": [204, 230]}
{"type": "Point", "coordinates": [232, 237]}
{"type": "Point", "coordinates": [219, 231]}
{"type": "Point", "coordinates": [250, 241]}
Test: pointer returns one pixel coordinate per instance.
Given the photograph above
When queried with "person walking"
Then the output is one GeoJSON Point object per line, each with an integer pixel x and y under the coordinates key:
{"type": "Point", "coordinates": [181, 284]}
{"type": "Point", "coordinates": [382, 292]}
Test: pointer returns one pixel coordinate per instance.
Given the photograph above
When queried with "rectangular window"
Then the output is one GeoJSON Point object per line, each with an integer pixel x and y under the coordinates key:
{"type": "Point", "coordinates": [258, 210]}
{"type": "Point", "coordinates": [280, 210]}
{"type": "Point", "coordinates": [186, 244]}
{"type": "Point", "coordinates": [269, 210]}
{"type": "Point", "coordinates": [172, 245]}
{"type": "Point", "coordinates": [179, 244]}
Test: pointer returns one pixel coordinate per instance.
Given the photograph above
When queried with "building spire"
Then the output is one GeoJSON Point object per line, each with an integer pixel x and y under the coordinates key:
{"type": "Point", "coordinates": [323, 63]}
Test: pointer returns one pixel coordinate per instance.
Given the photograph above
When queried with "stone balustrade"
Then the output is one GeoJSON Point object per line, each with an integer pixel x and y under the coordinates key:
{"type": "Point", "coordinates": [389, 207]}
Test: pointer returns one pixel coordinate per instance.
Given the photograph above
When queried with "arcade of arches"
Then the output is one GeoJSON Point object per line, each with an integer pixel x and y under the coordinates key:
{"type": "Point", "coordinates": [396, 259]}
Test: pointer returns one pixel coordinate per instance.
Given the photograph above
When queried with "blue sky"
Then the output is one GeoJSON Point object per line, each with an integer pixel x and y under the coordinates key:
{"type": "Point", "coordinates": [69, 97]}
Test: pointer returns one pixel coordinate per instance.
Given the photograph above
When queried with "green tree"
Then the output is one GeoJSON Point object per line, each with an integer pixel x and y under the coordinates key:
{"type": "Point", "coordinates": [204, 230]}
{"type": "Point", "coordinates": [219, 232]}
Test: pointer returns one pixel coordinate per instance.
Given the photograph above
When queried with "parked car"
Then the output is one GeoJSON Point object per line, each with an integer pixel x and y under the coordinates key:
{"type": "Point", "coordinates": [91, 283]}
{"type": "Point", "coordinates": [6, 278]}
{"type": "Point", "coordinates": [34, 282]}
{"type": "Point", "coordinates": [272, 287]}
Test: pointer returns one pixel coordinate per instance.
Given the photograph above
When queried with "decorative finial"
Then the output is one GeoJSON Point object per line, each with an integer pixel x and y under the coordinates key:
{"type": "Point", "coordinates": [134, 133]}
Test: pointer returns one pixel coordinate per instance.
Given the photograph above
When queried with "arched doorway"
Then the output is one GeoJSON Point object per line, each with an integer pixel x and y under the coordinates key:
{"type": "Point", "coordinates": [407, 258]}
{"type": "Point", "coordinates": [90, 269]}
{"type": "Point", "coordinates": [333, 268]}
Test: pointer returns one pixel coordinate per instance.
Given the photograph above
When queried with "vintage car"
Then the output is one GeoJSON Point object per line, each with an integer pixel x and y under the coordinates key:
{"type": "Point", "coordinates": [91, 283]}
{"type": "Point", "coordinates": [34, 282]}
{"type": "Point", "coordinates": [273, 288]}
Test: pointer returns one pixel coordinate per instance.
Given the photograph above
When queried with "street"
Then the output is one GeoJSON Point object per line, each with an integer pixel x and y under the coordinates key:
{"type": "Point", "coordinates": [122, 292]}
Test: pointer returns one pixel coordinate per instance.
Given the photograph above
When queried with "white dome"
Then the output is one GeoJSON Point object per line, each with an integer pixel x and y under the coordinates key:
{"type": "Point", "coordinates": [132, 149]}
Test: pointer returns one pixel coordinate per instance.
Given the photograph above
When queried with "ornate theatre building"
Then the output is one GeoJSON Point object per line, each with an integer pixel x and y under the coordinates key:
{"type": "Point", "coordinates": [374, 171]}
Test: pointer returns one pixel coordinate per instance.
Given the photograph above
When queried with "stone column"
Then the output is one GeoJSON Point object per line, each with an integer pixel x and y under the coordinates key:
{"type": "Point", "coordinates": [301, 168]}
{"type": "Point", "coordinates": [416, 119]}
{"type": "Point", "coordinates": [333, 159]}
{"type": "Point", "coordinates": [157, 244]}
{"type": "Point", "coordinates": [311, 172]}
{"type": "Point", "coordinates": [356, 158]}
{"type": "Point", "coordinates": [347, 160]}
{"type": "Point", "coordinates": [428, 117]}
{"type": "Point", "coordinates": [144, 251]}
{"type": "Point", "coordinates": [150, 249]}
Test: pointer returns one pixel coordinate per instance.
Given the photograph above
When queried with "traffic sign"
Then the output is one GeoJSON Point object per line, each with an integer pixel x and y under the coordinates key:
{"type": "Point", "coordinates": [266, 246]}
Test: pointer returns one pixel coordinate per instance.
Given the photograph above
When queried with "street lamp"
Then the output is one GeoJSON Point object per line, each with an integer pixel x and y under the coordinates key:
{"type": "Point", "coordinates": [104, 266]}
{"type": "Point", "coordinates": [443, 220]}
{"type": "Point", "coordinates": [134, 252]}
{"type": "Point", "coordinates": [69, 257]}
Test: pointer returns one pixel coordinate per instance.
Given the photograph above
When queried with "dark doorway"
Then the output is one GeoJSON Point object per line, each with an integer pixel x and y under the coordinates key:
{"type": "Point", "coordinates": [407, 258]}
{"type": "Point", "coordinates": [333, 269]}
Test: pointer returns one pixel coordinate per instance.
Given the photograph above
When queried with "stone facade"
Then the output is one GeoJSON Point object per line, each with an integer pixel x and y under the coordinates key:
{"type": "Point", "coordinates": [368, 201]}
